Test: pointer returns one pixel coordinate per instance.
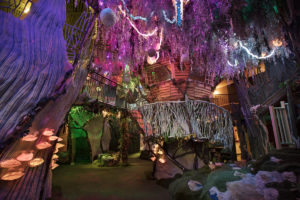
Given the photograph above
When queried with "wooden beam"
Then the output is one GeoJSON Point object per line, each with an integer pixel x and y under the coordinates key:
{"type": "Point", "coordinates": [275, 127]}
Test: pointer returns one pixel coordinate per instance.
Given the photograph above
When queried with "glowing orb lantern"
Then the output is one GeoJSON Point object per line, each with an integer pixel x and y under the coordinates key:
{"type": "Point", "coordinates": [11, 163]}
{"type": "Point", "coordinates": [52, 138]}
{"type": "Point", "coordinates": [29, 138]}
{"type": "Point", "coordinates": [151, 60]}
{"type": "Point", "coordinates": [277, 43]}
{"type": "Point", "coordinates": [43, 145]}
{"type": "Point", "coordinates": [25, 156]}
{"type": "Point", "coordinates": [48, 132]}
{"type": "Point", "coordinates": [10, 176]}
{"type": "Point", "coordinates": [108, 17]}
{"type": "Point", "coordinates": [36, 162]}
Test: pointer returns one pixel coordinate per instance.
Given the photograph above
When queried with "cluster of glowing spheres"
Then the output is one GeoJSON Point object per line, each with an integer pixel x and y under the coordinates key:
{"type": "Point", "coordinates": [10, 163]}
{"type": "Point", "coordinates": [10, 176]}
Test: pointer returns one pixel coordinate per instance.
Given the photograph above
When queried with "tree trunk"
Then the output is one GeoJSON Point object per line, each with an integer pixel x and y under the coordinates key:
{"type": "Point", "coordinates": [35, 184]}
{"type": "Point", "coordinates": [257, 135]}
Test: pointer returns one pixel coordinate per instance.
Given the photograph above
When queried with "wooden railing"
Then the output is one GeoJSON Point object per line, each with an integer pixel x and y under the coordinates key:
{"type": "Point", "coordinates": [228, 102]}
{"type": "Point", "coordinates": [103, 89]}
{"type": "Point", "coordinates": [280, 124]}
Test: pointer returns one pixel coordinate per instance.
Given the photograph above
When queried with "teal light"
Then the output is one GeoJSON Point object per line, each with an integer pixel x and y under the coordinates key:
{"type": "Point", "coordinates": [275, 9]}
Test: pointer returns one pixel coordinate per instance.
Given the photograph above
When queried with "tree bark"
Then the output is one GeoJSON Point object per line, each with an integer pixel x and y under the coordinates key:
{"type": "Point", "coordinates": [257, 134]}
{"type": "Point", "coordinates": [35, 183]}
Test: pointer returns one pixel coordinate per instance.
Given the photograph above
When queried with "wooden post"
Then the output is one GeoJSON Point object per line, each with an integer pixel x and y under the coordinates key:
{"type": "Point", "coordinates": [275, 128]}
{"type": "Point", "coordinates": [291, 113]}
{"type": "Point", "coordinates": [286, 122]}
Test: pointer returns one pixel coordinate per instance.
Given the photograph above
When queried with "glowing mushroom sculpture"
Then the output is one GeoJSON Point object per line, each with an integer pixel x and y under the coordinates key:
{"type": "Point", "coordinates": [43, 145]}
{"type": "Point", "coordinates": [10, 176]}
{"type": "Point", "coordinates": [10, 163]}
{"type": "Point", "coordinates": [36, 162]}
{"type": "Point", "coordinates": [25, 156]}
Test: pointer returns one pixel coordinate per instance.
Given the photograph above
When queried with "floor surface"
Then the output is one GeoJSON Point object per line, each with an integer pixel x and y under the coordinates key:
{"type": "Point", "coordinates": [111, 183]}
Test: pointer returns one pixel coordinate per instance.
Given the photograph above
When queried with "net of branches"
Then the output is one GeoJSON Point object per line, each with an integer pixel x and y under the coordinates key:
{"type": "Point", "coordinates": [203, 120]}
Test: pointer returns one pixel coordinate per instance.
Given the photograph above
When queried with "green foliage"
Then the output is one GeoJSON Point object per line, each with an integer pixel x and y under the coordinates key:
{"type": "Point", "coordinates": [179, 188]}
{"type": "Point", "coordinates": [79, 115]}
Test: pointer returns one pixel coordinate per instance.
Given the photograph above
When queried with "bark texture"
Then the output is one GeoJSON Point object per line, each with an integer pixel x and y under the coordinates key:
{"type": "Point", "coordinates": [32, 60]}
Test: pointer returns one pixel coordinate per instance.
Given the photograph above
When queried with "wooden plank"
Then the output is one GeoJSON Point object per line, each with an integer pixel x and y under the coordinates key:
{"type": "Point", "coordinates": [275, 129]}
{"type": "Point", "coordinates": [286, 122]}
{"type": "Point", "coordinates": [279, 123]}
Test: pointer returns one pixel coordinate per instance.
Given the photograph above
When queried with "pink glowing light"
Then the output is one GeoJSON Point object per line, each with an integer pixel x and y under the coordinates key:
{"type": "Point", "coordinates": [48, 132]}
{"type": "Point", "coordinates": [10, 163]}
{"type": "Point", "coordinates": [43, 145]}
{"type": "Point", "coordinates": [25, 156]}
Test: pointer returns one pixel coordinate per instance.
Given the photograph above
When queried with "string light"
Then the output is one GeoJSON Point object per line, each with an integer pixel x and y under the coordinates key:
{"type": "Point", "coordinates": [167, 19]}
{"type": "Point", "coordinates": [134, 17]}
{"type": "Point", "coordinates": [255, 56]}
{"type": "Point", "coordinates": [178, 5]}
{"type": "Point", "coordinates": [233, 65]}
{"type": "Point", "coordinates": [145, 35]}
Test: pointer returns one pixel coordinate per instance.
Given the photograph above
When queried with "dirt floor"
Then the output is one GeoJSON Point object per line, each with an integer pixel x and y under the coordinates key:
{"type": "Point", "coordinates": [114, 183]}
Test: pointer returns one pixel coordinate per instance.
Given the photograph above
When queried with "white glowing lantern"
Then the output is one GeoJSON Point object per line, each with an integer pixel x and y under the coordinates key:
{"type": "Point", "coordinates": [52, 138]}
{"type": "Point", "coordinates": [29, 138]}
{"type": "Point", "coordinates": [10, 163]}
{"type": "Point", "coordinates": [10, 176]}
{"type": "Point", "coordinates": [36, 162]}
{"type": "Point", "coordinates": [48, 132]}
{"type": "Point", "coordinates": [43, 145]}
{"type": "Point", "coordinates": [160, 152]}
{"type": "Point", "coordinates": [25, 156]}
